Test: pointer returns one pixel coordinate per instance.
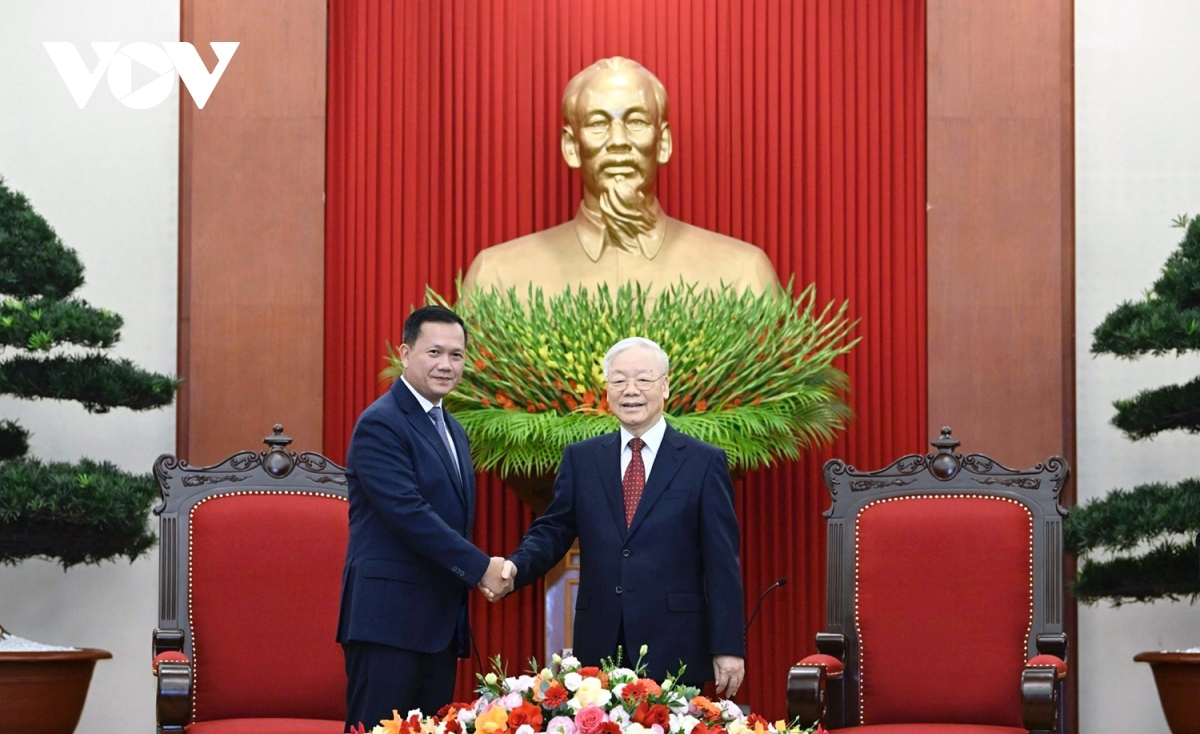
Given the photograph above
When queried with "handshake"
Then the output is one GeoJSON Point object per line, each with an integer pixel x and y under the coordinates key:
{"type": "Point", "coordinates": [499, 578]}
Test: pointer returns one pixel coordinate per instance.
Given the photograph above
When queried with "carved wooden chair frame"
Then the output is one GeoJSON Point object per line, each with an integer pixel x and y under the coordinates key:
{"type": "Point", "coordinates": [183, 488]}
{"type": "Point", "coordinates": [825, 687]}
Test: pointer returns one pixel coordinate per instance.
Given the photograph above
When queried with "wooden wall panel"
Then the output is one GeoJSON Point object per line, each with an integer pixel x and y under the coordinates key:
{"type": "Point", "coordinates": [251, 230]}
{"type": "Point", "coordinates": [1000, 219]}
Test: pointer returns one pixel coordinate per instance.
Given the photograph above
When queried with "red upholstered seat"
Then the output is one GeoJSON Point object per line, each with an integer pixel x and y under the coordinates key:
{"type": "Point", "coordinates": [945, 599]}
{"type": "Point", "coordinates": [252, 555]}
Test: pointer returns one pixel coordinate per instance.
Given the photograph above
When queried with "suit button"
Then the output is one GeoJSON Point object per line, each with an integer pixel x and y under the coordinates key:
{"type": "Point", "coordinates": [458, 571]}
{"type": "Point", "coordinates": [620, 590]}
{"type": "Point", "coordinates": [625, 553]}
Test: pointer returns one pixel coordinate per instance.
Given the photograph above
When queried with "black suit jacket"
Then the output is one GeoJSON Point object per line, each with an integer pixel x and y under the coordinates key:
{"type": "Point", "coordinates": [672, 578]}
{"type": "Point", "coordinates": [410, 563]}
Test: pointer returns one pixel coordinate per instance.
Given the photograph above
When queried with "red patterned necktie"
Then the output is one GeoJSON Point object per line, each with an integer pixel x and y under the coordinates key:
{"type": "Point", "coordinates": [634, 481]}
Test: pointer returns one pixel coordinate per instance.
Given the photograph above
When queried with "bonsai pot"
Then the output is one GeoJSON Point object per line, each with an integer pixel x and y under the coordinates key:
{"type": "Point", "coordinates": [44, 691]}
{"type": "Point", "coordinates": [1177, 675]}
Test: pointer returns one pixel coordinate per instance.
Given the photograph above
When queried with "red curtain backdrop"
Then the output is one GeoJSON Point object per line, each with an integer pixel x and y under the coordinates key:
{"type": "Point", "coordinates": [799, 127]}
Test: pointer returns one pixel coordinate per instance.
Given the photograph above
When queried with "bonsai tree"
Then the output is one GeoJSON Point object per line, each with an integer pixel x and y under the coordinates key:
{"type": "Point", "coordinates": [1162, 517]}
{"type": "Point", "coordinates": [83, 512]}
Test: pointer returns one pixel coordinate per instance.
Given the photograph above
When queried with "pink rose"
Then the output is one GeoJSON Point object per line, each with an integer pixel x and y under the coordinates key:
{"type": "Point", "coordinates": [589, 719]}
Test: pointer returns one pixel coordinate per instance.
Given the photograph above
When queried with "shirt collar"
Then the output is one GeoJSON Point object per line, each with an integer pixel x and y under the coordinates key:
{"type": "Point", "coordinates": [589, 228]}
{"type": "Point", "coordinates": [653, 435]}
{"type": "Point", "coordinates": [425, 404]}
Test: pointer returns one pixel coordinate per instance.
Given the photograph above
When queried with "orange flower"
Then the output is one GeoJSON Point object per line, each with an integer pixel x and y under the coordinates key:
{"type": "Point", "coordinates": [558, 384]}
{"type": "Point", "coordinates": [651, 686]}
{"type": "Point", "coordinates": [588, 398]}
{"type": "Point", "coordinates": [480, 365]}
{"type": "Point", "coordinates": [485, 402]}
{"type": "Point", "coordinates": [702, 406]}
{"type": "Point", "coordinates": [604, 404]}
{"type": "Point", "coordinates": [570, 401]}
{"type": "Point", "coordinates": [492, 721]}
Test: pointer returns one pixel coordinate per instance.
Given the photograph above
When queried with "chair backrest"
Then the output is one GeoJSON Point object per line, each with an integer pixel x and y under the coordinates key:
{"type": "Point", "coordinates": [251, 554]}
{"type": "Point", "coordinates": [942, 569]}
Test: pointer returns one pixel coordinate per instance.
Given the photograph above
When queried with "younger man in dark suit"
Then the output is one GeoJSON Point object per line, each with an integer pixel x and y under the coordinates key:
{"type": "Point", "coordinates": [410, 562]}
{"type": "Point", "coordinates": [658, 537]}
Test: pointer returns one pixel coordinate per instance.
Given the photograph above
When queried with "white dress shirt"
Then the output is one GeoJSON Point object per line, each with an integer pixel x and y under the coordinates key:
{"type": "Point", "coordinates": [428, 406]}
{"type": "Point", "coordinates": [653, 438]}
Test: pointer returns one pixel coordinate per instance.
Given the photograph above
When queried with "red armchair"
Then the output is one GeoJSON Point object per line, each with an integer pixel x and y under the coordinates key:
{"type": "Point", "coordinates": [944, 605]}
{"type": "Point", "coordinates": [251, 554]}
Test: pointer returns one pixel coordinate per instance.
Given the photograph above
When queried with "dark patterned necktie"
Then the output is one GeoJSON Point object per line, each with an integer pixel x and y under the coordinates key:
{"type": "Point", "coordinates": [436, 414]}
{"type": "Point", "coordinates": [634, 481]}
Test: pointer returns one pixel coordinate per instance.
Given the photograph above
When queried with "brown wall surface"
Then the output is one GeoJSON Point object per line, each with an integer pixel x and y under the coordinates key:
{"type": "Point", "coordinates": [251, 230]}
{"type": "Point", "coordinates": [1001, 226]}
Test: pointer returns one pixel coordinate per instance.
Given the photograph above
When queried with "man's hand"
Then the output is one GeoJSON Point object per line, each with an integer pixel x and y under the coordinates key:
{"type": "Point", "coordinates": [495, 585]}
{"type": "Point", "coordinates": [729, 671]}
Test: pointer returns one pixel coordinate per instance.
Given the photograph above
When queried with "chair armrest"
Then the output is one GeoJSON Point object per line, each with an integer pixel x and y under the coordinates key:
{"type": "Point", "coordinates": [806, 687]}
{"type": "Point", "coordinates": [1041, 685]}
{"type": "Point", "coordinates": [174, 700]}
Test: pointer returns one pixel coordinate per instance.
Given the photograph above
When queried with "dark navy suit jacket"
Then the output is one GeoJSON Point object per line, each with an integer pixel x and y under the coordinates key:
{"type": "Point", "coordinates": [673, 577]}
{"type": "Point", "coordinates": [409, 564]}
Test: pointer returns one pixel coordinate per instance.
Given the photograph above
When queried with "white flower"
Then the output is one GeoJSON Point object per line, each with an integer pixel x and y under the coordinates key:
{"type": "Point", "coordinates": [379, 730]}
{"type": "Point", "coordinates": [683, 723]}
{"type": "Point", "coordinates": [570, 662]}
{"type": "Point", "coordinates": [618, 689]}
{"type": "Point", "coordinates": [466, 716]}
{"type": "Point", "coordinates": [572, 681]}
{"type": "Point", "coordinates": [737, 727]}
{"type": "Point", "coordinates": [525, 729]}
{"type": "Point", "coordinates": [561, 725]}
{"type": "Point", "coordinates": [556, 658]}
{"type": "Point", "coordinates": [491, 679]}
{"type": "Point", "coordinates": [622, 675]}
{"type": "Point", "coordinates": [589, 692]}
{"type": "Point", "coordinates": [620, 717]}
{"type": "Point", "coordinates": [656, 729]}
{"type": "Point", "coordinates": [730, 710]}
{"type": "Point", "coordinates": [636, 729]}
{"type": "Point", "coordinates": [520, 684]}
{"type": "Point", "coordinates": [667, 684]}
{"type": "Point", "coordinates": [511, 701]}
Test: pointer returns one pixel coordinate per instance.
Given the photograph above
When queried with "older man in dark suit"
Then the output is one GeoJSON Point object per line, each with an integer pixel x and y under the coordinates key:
{"type": "Point", "coordinates": [658, 537]}
{"type": "Point", "coordinates": [410, 562]}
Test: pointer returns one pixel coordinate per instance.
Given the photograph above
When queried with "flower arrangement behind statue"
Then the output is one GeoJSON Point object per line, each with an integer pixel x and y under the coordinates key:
{"type": "Point", "coordinates": [567, 698]}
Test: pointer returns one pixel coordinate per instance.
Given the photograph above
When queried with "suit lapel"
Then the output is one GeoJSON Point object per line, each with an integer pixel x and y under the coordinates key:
{"type": "Point", "coordinates": [666, 465]}
{"type": "Point", "coordinates": [608, 464]}
{"type": "Point", "coordinates": [462, 448]}
{"type": "Point", "coordinates": [423, 425]}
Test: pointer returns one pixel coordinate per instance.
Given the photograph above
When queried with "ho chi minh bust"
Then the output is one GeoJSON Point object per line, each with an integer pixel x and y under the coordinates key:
{"type": "Point", "coordinates": [616, 134]}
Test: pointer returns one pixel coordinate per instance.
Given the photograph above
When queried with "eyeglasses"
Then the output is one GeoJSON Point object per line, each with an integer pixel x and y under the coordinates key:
{"type": "Point", "coordinates": [643, 383]}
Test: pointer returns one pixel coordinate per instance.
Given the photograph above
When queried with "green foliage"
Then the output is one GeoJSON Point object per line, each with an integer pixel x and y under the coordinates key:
{"type": "Point", "coordinates": [100, 383]}
{"type": "Point", "coordinates": [1168, 318]}
{"type": "Point", "coordinates": [43, 323]}
{"type": "Point", "coordinates": [753, 375]}
{"type": "Point", "coordinates": [1162, 517]}
{"type": "Point", "coordinates": [1161, 409]}
{"type": "Point", "coordinates": [33, 260]}
{"type": "Point", "coordinates": [14, 441]}
{"type": "Point", "coordinates": [77, 513]}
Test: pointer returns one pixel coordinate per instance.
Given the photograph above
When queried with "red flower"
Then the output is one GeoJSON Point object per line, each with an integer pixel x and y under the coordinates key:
{"type": "Point", "coordinates": [480, 365]}
{"type": "Point", "coordinates": [609, 727]}
{"type": "Point", "coordinates": [451, 726]}
{"type": "Point", "coordinates": [753, 719]}
{"type": "Point", "coordinates": [590, 671]}
{"type": "Point", "coordinates": [700, 728]}
{"type": "Point", "coordinates": [526, 713]}
{"type": "Point", "coordinates": [658, 714]}
{"type": "Point", "coordinates": [555, 696]}
{"type": "Point", "coordinates": [633, 692]}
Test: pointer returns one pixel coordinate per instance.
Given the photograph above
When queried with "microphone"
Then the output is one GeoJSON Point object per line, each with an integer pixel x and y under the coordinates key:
{"type": "Point", "coordinates": [781, 582]}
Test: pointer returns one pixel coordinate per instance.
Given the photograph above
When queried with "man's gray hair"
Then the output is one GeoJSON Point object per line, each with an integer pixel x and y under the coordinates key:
{"type": "Point", "coordinates": [636, 341]}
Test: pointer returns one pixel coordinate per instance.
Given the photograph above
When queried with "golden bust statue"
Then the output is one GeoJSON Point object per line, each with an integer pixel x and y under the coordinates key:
{"type": "Point", "coordinates": [616, 134]}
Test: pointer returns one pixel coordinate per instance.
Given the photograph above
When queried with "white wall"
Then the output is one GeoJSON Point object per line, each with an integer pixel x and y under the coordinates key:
{"type": "Point", "coordinates": [1137, 161]}
{"type": "Point", "coordinates": [106, 178]}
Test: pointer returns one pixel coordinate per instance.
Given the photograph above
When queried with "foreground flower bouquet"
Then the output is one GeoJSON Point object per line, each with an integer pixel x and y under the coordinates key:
{"type": "Point", "coordinates": [567, 698]}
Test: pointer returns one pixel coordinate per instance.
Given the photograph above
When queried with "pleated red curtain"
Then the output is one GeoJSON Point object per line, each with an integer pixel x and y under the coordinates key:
{"type": "Point", "coordinates": [799, 127]}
